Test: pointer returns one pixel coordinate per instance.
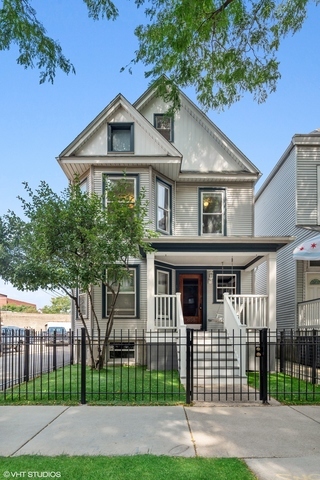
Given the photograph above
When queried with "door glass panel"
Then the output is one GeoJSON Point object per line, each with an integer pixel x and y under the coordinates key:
{"type": "Point", "coordinates": [190, 297]}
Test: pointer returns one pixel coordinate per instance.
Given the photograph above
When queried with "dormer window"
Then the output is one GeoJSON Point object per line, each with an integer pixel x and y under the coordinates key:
{"type": "Point", "coordinates": [120, 137]}
{"type": "Point", "coordinates": [164, 125]}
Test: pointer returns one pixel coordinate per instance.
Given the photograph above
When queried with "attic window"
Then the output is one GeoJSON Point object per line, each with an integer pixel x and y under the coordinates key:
{"type": "Point", "coordinates": [120, 137]}
{"type": "Point", "coordinates": [164, 125]}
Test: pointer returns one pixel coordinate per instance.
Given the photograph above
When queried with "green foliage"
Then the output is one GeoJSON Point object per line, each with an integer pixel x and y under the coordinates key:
{"type": "Point", "coordinates": [222, 48]}
{"type": "Point", "coordinates": [58, 305]}
{"type": "Point", "coordinates": [19, 308]}
{"type": "Point", "coordinates": [69, 241]}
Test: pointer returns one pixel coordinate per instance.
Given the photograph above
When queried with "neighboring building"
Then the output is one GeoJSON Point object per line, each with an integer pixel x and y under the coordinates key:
{"type": "Point", "coordinates": [5, 300]}
{"type": "Point", "coordinates": [200, 189]}
{"type": "Point", "coordinates": [288, 203]}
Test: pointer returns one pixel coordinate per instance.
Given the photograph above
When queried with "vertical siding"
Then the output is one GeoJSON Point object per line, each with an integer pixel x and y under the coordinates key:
{"type": "Point", "coordinates": [308, 158]}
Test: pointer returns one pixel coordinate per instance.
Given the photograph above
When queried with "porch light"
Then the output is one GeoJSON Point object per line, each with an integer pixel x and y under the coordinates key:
{"type": "Point", "coordinates": [210, 277]}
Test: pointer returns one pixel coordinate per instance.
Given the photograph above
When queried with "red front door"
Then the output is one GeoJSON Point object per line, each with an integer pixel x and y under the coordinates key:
{"type": "Point", "coordinates": [190, 287]}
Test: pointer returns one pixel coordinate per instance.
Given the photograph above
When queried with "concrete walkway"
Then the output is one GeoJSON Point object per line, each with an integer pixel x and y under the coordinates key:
{"type": "Point", "coordinates": [275, 441]}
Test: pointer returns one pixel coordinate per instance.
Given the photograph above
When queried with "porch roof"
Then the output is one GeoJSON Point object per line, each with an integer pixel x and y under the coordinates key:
{"type": "Point", "coordinates": [245, 252]}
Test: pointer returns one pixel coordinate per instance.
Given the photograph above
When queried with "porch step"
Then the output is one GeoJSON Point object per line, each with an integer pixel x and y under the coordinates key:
{"type": "Point", "coordinates": [214, 359]}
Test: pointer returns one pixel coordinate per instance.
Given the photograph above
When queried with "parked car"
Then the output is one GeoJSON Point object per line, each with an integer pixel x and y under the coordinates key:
{"type": "Point", "coordinates": [57, 335]}
{"type": "Point", "coordinates": [12, 338]}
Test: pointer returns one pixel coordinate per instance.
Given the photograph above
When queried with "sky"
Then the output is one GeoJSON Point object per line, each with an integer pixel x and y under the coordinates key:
{"type": "Point", "coordinates": [38, 121]}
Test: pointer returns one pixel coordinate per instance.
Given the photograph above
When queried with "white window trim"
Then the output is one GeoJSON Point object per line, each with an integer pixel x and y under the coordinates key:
{"type": "Point", "coordinates": [159, 182]}
{"type": "Point", "coordinates": [225, 288]}
{"type": "Point", "coordinates": [223, 213]}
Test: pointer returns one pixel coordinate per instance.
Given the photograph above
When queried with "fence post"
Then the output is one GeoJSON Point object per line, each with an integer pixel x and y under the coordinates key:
{"type": "Point", "coordinates": [83, 366]}
{"type": "Point", "coordinates": [314, 357]}
{"type": "Point", "coordinates": [282, 351]}
{"type": "Point", "coordinates": [54, 351]}
{"type": "Point", "coordinates": [26, 374]}
{"type": "Point", "coordinates": [264, 365]}
{"type": "Point", "coordinates": [189, 379]}
{"type": "Point", "coordinates": [71, 337]}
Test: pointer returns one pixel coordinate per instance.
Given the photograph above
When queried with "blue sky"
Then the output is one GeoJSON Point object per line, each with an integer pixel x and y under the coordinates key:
{"type": "Point", "coordinates": [38, 121]}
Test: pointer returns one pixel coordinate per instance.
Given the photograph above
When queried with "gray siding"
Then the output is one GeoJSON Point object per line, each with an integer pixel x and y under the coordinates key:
{"type": "Point", "coordinates": [307, 185]}
{"type": "Point", "coordinates": [239, 209]}
{"type": "Point", "coordinates": [275, 215]}
{"type": "Point", "coordinates": [125, 324]}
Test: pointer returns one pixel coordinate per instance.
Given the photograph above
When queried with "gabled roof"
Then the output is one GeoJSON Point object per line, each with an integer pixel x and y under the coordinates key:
{"type": "Point", "coordinates": [75, 159]}
{"type": "Point", "coordinates": [245, 166]}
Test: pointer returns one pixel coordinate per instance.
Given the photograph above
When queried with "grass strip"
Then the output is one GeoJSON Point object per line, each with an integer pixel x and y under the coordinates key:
{"type": "Point", "coordinates": [117, 385]}
{"type": "Point", "coordinates": [125, 468]}
{"type": "Point", "coordinates": [287, 389]}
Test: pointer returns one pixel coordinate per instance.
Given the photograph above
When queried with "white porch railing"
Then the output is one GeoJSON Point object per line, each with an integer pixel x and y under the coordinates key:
{"type": "Point", "coordinates": [251, 309]}
{"type": "Point", "coordinates": [234, 327]}
{"type": "Point", "coordinates": [309, 314]}
{"type": "Point", "coordinates": [168, 315]}
{"type": "Point", "coordinates": [166, 311]}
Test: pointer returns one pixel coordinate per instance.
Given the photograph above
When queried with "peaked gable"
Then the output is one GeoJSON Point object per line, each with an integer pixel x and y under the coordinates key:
{"type": "Point", "coordinates": [92, 141]}
{"type": "Point", "coordinates": [204, 147]}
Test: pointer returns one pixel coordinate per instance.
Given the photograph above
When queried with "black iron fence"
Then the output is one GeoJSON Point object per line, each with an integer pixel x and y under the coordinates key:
{"type": "Point", "coordinates": [161, 367]}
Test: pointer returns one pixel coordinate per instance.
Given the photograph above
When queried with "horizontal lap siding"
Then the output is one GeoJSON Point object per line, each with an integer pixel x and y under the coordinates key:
{"type": "Point", "coordinates": [239, 209]}
{"type": "Point", "coordinates": [126, 324]}
{"type": "Point", "coordinates": [308, 158]}
{"type": "Point", "coordinates": [275, 216]}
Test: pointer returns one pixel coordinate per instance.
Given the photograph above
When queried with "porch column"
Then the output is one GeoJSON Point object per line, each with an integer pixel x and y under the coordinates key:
{"type": "Point", "coordinates": [272, 290]}
{"type": "Point", "coordinates": [150, 291]}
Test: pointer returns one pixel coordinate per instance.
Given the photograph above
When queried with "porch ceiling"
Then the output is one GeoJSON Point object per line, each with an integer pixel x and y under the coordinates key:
{"type": "Point", "coordinates": [244, 252]}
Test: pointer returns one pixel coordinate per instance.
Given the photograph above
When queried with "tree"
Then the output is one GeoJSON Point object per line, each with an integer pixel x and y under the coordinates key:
{"type": "Point", "coordinates": [19, 308]}
{"type": "Point", "coordinates": [60, 304]}
{"type": "Point", "coordinates": [73, 242]}
{"type": "Point", "coordinates": [223, 48]}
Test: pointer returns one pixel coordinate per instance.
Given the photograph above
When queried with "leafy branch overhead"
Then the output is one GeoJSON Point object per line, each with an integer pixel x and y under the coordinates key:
{"type": "Point", "coordinates": [222, 48]}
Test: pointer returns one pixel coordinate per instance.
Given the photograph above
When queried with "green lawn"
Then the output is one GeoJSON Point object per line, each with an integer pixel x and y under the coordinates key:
{"type": "Point", "coordinates": [125, 385]}
{"type": "Point", "coordinates": [135, 467]}
{"type": "Point", "coordinates": [288, 390]}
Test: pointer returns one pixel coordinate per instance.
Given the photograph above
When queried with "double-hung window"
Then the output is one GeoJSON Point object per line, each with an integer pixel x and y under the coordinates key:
{"type": "Point", "coordinates": [212, 212]}
{"type": "Point", "coordinates": [126, 304]}
{"type": "Point", "coordinates": [164, 125]}
{"type": "Point", "coordinates": [163, 207]}
{"type": "Point", "coordinates": [225, 283]}
{"type": "Point", "coordinates": [120, 137]}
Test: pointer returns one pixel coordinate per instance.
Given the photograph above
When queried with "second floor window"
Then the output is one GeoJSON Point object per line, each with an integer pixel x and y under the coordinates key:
{"type": "Point", "coordinates": [130, 190]}
{"type": "Point", "coordinates": [163, 207]}
{"type": "Point", "coordinates": [212, 214]}
{"type": "Point", "coordinates": [120, 137]}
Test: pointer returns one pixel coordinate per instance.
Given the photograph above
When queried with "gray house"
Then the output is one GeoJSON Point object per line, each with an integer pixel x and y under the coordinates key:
{"type": "Point", "coordinates": [288, 203]}
{"type": "Point", "coordinates": [200, 189]}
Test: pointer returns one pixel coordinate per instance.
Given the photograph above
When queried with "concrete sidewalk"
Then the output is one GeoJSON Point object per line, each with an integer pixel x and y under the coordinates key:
{"type": "Point", "coordinates": [275, 441]}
